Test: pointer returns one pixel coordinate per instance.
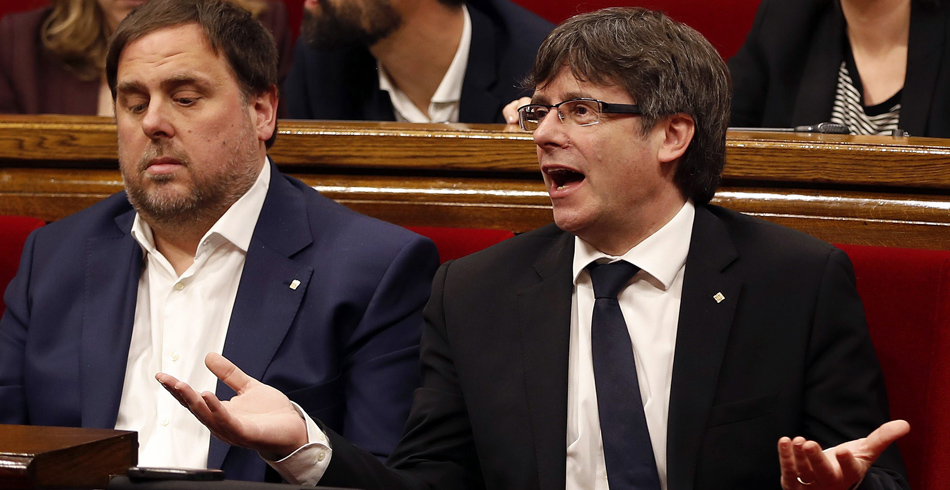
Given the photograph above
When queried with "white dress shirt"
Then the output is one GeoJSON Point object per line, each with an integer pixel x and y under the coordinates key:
{"type": "Point", "coordinates": [650, 304]}
{"type": "Point", "coordinates": [178, 320]}
{"type": "Point", "coordinates": [444, 106]}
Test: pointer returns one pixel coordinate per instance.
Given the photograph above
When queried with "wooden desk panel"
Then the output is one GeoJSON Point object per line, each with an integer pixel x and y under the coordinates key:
{"type": "Point", "coordinates": [845, 189]}
{"type": "Point", "coordinates": [63, 457]}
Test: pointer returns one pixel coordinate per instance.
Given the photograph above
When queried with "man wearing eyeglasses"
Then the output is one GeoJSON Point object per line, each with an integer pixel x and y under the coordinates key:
{"type": "Point", "coordinates": [647, 339]}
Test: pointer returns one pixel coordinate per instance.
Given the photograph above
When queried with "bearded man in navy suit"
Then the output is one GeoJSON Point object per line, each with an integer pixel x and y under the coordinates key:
{"type": "Point", "coordinates": [411, 60]}
{"type": "Point", "coordinates": [210, 249]}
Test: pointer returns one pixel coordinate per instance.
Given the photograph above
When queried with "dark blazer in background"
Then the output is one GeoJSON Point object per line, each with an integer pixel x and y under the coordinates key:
{"type": "Point", "coordinates": [786, 73]}
{"type": "Point", "coordinates": [344, 344]}
{"type": "Point", "coordinates": [33, 81]}
{"type": "Point", "coordinates": [343, 84]}
{"type": "Point", "coordinates": [786, 352]}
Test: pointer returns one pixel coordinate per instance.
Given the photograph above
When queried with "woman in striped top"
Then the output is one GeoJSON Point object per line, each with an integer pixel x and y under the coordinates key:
{"type": "Point", "coordinates": [873, 65]}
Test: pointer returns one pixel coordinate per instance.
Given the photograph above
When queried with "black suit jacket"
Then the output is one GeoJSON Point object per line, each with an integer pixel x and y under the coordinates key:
{"type": "Point", "coordinates": [786, 73]}
{"type": "Point", "coordinates": [343, 84]}
{"type": "Point", "coordinates": [786, 353]}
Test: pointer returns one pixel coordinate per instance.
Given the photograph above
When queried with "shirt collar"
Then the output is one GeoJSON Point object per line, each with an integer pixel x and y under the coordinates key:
{"type": "Point", "coordinates": [660, 255]}
{"type": "Point", "coordinates": [236, 225]}
{"type": "Point", "coordinates": [450, 89]}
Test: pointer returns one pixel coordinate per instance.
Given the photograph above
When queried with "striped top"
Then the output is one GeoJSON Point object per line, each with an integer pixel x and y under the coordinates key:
{"type": "Point", "coordinates": [850, 110]}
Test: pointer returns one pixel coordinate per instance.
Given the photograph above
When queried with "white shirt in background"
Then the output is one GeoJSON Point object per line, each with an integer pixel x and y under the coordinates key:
{"type": "Point", "coordinates": [444, 106]}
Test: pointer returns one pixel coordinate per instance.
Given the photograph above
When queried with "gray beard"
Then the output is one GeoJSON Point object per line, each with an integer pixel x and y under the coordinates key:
{"type": "Point", "coordinates": [208, 200]}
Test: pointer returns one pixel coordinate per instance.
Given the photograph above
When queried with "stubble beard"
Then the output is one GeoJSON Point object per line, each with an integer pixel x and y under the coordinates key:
{"type": "Point", "coordinates": [207, 196]}
{"type": "Point", "coordinates": [338, 27]}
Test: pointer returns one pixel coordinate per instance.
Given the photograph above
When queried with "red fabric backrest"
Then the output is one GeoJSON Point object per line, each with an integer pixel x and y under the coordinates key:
{"type": "Point", "coordinates": [454, 243]}
{"type": "Point", "coordinates": [724, 22]}
{"type": "Point", "coordinates": [13, 233]}
{"type": "Point", "coordinates": [906, 295]}
{"type": "Point", "coordinates": [10, 6]}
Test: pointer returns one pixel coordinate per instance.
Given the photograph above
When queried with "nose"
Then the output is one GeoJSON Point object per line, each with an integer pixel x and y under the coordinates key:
{"type": "Point", "coordinates": [156, 123]}
{"type": "Point", "coordinates": [550, 131]}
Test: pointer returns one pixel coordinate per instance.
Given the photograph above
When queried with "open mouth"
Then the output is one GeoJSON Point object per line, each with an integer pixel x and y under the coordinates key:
{"type": "Point", "coordinates": [562, 177]}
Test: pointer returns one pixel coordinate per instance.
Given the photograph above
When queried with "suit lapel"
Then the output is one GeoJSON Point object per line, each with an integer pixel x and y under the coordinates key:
{"type": "Point", "coordinates": [478, 102]}
{"type": "Point", "coordinates": [925, 46]}
{"type": "Point", "coordinates": [816, 93]}
{"type": "Point", "coordinates": [268, 298]}
{"type": "Point", "coordinates": [113, 267]}
{"type": "Point", "coordinates": [545, 321]}
{"type": "Point", "coordinates": [703, 331]}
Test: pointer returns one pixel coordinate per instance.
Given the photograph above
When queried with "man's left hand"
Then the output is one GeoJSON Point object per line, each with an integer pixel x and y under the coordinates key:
{"type": "Point", "coordinates": [806, 466]}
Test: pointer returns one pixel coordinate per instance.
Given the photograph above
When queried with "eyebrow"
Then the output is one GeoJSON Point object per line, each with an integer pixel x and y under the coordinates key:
{"type": "Point", "coordinates": [167, 84]}
{"type": "Point", "coordinates": [129, 87]}
{"type": "Point", "coordinates": [568, 96]}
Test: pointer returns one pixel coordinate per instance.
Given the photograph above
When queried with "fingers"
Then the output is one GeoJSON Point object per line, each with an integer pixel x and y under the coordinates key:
{"type": "Point", "coordinates": [205, 406]}
{"type": "Point", "coordinates": [510, 111]}
{"type": "Point", "coordinates": [226, 371]}
{"type": "Point", "coordinates": [803, 463]}
{"type": "Point", "coordinates": [184, 393]}
{"type": "Point", "coordinates": [786, 460]}
{"type": "Point", "coordinates": [852, 469]}
{"type": "Point", "coordinates": [822, 467]}
{"type": "Point", "coordinates": [877, 441]}
{"type": "Point", "coordinates": [809, 462]}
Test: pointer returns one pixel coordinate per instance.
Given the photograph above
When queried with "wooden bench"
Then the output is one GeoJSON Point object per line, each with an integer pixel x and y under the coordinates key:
{"type": "Point", "coordinates": [862, 190]}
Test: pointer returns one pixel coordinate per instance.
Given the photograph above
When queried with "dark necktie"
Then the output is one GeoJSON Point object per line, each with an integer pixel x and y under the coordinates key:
{"type": "Point", "coordinates": [628, 452]}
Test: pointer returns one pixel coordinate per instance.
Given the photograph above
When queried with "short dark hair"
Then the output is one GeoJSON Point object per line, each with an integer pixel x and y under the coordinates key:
{"type": "Point", "coordinates": [666, 66]}
{"type": "Point", "coordinates": [248, 46]}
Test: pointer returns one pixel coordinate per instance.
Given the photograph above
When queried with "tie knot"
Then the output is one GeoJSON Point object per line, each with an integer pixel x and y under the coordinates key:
{"type": "Point", "coordinates": [609, 279]}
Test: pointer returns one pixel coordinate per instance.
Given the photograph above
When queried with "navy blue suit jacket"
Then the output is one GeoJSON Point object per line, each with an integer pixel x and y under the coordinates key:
{"type": "Point", "coordinates": [343, 84]}
{"type": "Point", "coordinates": [344, 344]}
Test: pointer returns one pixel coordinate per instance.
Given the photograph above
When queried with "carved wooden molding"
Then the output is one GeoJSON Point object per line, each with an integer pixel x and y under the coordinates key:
{"type": "Point", "coordinates": [845, 189]}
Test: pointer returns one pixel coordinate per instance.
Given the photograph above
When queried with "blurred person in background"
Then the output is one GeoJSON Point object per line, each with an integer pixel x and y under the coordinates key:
{"type": "Point", "coordinates": [52, 59]}
{"type": "Point", "coordinates": [874, 65]}
{"type": "Point", "coordinates": [411, 60]}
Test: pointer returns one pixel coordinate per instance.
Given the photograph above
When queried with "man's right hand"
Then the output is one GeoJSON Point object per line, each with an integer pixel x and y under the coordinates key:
{"type": "Point", "coordinates": [259, 417]}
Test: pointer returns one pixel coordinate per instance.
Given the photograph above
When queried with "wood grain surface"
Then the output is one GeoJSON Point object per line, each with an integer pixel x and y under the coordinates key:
{"type": "Point", "coordinates": [845, 189]}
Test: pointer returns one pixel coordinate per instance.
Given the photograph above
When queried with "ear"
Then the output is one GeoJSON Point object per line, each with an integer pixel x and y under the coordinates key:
{"type": "Point", "coordinates": [263, 108]}
{"type": "Point", "coordinates": [678, 132]}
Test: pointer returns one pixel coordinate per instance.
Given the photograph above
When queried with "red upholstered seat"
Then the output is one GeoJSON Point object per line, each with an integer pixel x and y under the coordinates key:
{"type": "Point", "coordinates": [906, 296]}
{"type": "Point", "coordinates": [459, 242]}
{"type": "Point", "coordinates": [10, 6]}
{"type": "Point", "coordinates": [13, 233]}
{"type": "Point", "coordinates": [724, 22]}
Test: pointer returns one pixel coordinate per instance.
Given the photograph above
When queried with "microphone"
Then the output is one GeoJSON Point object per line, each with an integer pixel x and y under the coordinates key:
{"type": "Point", "coordinates": [823, 128]}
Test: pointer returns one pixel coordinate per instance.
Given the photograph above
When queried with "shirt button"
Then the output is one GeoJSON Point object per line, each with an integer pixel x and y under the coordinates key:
{"type": "Point", "coordinates": [174, 356]}
{"type": "Point", "coordinates": [321, 456]}
{"type": "Point", "coordinates": [179, 286]}
{"type": "Point", "coordinates": [164, 422]}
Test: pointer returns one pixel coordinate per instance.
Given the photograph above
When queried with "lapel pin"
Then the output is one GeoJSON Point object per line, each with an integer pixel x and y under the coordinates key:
{"type": "Point", "coordinates": [294, 284]}
{"type": "Point", "coordinates": [718, 297]}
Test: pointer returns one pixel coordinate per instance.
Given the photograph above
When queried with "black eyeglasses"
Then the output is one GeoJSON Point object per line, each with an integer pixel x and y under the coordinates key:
{"type": "Point", "coordinates": [580, 112]}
